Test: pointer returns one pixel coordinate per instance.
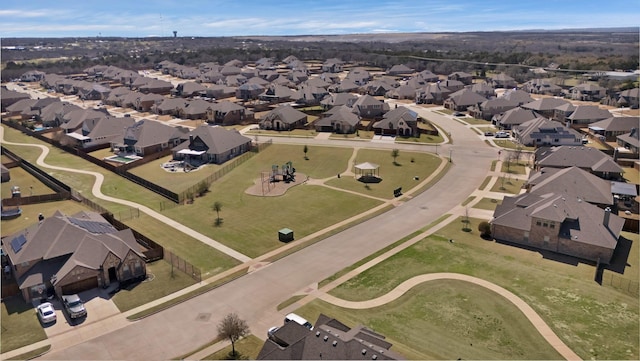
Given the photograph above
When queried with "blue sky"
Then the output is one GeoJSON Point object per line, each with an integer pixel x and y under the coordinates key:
{"type": "Point", "coordinates": [139, 18]}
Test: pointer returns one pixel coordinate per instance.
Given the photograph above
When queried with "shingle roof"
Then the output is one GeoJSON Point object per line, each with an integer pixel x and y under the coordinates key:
{"type": "Point", "coordinates": [617, 124]}
{"type": "Point", "coordinates": [218, 139]}
{"type": "Point", "coordinates": [574, 182]}
{"type": "Point", "coordinates": [578, 156]}
{"type": "Point", "coordinates": [545, 104]}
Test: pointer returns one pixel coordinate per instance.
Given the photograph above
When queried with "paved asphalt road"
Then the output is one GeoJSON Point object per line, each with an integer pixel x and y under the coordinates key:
{"type": "Point", "coordinates": [254, 297]}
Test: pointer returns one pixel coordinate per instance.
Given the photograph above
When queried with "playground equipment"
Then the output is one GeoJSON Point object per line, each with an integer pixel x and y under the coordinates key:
{"type": "Point", "coordinates": [287, 173]}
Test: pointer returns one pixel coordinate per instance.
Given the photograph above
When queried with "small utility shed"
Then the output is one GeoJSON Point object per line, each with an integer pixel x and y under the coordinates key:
{"type": "Point", "coordinates": [285, 235]}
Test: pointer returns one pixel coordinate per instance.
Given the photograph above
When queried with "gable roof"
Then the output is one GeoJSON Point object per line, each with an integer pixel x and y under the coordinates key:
{"type": "Point", "coordinates": [516, 116]}
{"type": "Point", "coordinates": [466, 97]}
{"type": "Point", "coordinates": [145, 133]}
{"type": "Point", "coordinates": [218, 140]}
{"type": "Point", "coordinates": [578, 156]}
{"type": "Point", "coordinates": [545, 104]}
{"type": "Point", "coordinates": [581, 221]}
{"type": "Point", "coordinates": [517, 95]}
{"type": "Point", "coordinates": [395, 117]}
{"type": "Point", "coordinates": [589, 112]}
{"type": "Point", "coordinates": [616, 124]}
{"type": "Point", "coordinates": [573, 182]}
{"type": "Point", "coordinates": [287, 114]}
{"type": "Point", "coordinates": [341, 113]}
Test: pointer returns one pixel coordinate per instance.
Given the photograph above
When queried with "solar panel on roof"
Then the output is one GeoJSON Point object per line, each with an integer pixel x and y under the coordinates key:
{"type": "Point", "coordinates": [93, 226]}
{"type": "Point", "coordinates": [18, 242]}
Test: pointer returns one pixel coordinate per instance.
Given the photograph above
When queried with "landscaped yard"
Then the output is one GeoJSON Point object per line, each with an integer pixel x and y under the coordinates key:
{"type": "Point", "coordinates": [30, 214]}
{"type": "Point", "coordinates": [161, 281]}
{"type": "Point", "coordinates": [474, 121]}
{"type": "Point", "coordinates": [29, 185]}
{"type": "Point", "coordinates": [424, 138]}
{"type": "Point", "coordinates": [451, 319]}
{"type": "Point", "coordinates": [360, 134]}
{"type": "Point", "coordinates": [248, 347]}
{"type": "Point", "coordinates": [174, 181]}
{"type": "Point", "coordinates": [508, 185]}
{"type": "Point", "coordinates": [513, 168]}
{"type": "Point", "coordinates": [20, 324]}
{"type": "Point", "coordinates": [487, 203]}
{"type": "Point", "coordinates": [304, 133]}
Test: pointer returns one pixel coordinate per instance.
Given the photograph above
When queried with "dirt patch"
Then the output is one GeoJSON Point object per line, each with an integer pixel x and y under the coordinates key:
{"type": "Point", "coordinates": [273, 189]}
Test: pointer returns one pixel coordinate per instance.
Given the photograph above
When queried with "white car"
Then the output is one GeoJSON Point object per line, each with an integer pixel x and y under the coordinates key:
{"type": "Point", "coordinates": [502, 135]}
{"type": "Point", "coordinates": [46, 313]}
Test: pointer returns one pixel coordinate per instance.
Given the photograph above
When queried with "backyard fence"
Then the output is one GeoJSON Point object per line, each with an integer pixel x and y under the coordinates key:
{"type": "Point", "coordinates": [184, 266]}
{"type": "Point", "coordinates": [624, 285]}
{"type": "Point", "coordinates": [153, 251]}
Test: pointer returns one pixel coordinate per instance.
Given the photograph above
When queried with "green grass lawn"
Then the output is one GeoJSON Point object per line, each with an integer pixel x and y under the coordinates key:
{"type": "Point", "coordinates": [162, 282]}
{"type": "Point", "coordinates": [393, 175]}
{"type": "Point", "coordinates": [475, 121]}
{"type": "Point", "coordinates": [488, 203]}
{"type": "Point", "coordinates": [249, 347]}
{"type": "Point", "coordinates": [174, 181]}
{"type": "Point", "coordinates": [304, 133]}
{"type": "Point", "coordinates": [360, 134]}
{"type": "Point", "coordinates": [508, 185]}
{"type": "Point", "coordinates": [594, 321]}
{"type": "Point", "coordinates": [485, 182]}
{"type": "Point", "coordinates": [424, 138]}
{"type": "Point", "coordinates": [20, 324]}
{"type": "Point", "coordinates": [513, 168]}
{"type": "Point", "coordinates": [30, 214]}
{"type": "Point", "coordinates": [631, 175]}
{"type": "Point", "coordinates": [510, 144]}
{"type": "Point", "coordinates": [29, 185]}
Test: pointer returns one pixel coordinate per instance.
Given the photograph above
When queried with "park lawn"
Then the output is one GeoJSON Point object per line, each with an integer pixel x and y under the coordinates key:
{"type": "Point", "coordinates": [174, 181]}
{"type": "Point", "coordinates": [20, 324]}
{"type": "Point", "coordinates": [161, 281]}
{"type": "Point", "coordinates": [508, 185]}
{"type": "Point", "coordinates": [29, 185]}
{"type": "Point", "coordinates": [447, 319]}
{"type": "Point", "coordinates": [249, 347]}
{"type": "Point", "coordinates": [209, 260]}
{"type": "Point", "coordinates": [322, 162]}
{"type": "Point", "coordinates": [250, 224]}
{"type": "Point", "coordinates": [30, 214]}
{"type": "Point", "coordinates": [393, 176]}
{"type": "Point", "coordinates": [594, 321]}
{"type": "Point", "coordinates": [487, 203]}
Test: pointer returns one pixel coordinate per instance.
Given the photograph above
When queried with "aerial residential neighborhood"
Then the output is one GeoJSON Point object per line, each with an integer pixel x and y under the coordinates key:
{"type": "Point", "coordinates": [268, 197]}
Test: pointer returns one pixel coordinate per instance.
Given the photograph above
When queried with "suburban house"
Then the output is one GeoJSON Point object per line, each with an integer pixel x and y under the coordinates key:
{"type": "Point", "coordinates": [517, 96]}
{"type": "Point", "coordinates": [332, 65]}
{"type": "Point", "coordinates": [434, 93]}
{"type": "Point", "coordinates": [219, 91]}
{"type": "Point", "coordinates": [484, 89]}
{"type": "Point", "coordinates": [629, 98]}
{"type": "Point", "coordinates": [146, 102]}
{"type": "Point", "coordinates": [452, 84]}
{"type": "Point", "coordinates": [147, 137]}
{"type": "Point", "coordinates": [463, 99]}
{"type": "Point", "coordinates": [558, 223]}
{"type": "Point", "coordinates": [542, 86]}
{"type": "Point", "coordinates": [341, 120]}
{"type": "Point", "coordinates": [195, 109]}
{"type": "Point", "coordinates": [359, 76]}
{"type": "Point", "coordinates": [402, 92]}
{"type": "Point", "coordinates": [8, 97]}
{"type": "Point", "coordinates": [52, 114]}
{"type": "Point", "coordinates": [278, 93]}
{"type": "Point", "coordinates": [630, 141]}
{"type": "Point", "coordinates": [587, 158]}
{"type": "Point", "coordinates": [334, 100]}
{"type": "Point", "coordinates": [545, 106]}
{"type": "Point", "coordinates": [574, 183]}
{"type": "Point", "coordinates": [329, 339]}
{"type": "Point", "coordinates": [228, 113]}
{"type": "Point", "coordinates": [75, 119]}
{"type": "Point", "coordinates": [344, 86]}
{"type": "Point", "coordinates": [249, 91]}
{"type": "Point", "coordinates": [189, 89]}
{"type": "Point", "coordinates": [65, 254]}
{"type": "Point", "coordinates": [587, 114]}
{"type": "Point", "coordinates": [283, 118]}
{"type": "Point", "coordinates": [400, 121]}
{"type": "Point", "coordinates": [400, 70]}
{"type": "Point", "coordinates": [377, 87]}
{"type": "Point", "coordinates": [368, 107]}
{"type": "Point", "coordinates": [461, 76]}
{"type": "Point", "coordinates": [612, 127]}
{"type": "Point", "coordinates": [170, 106]}
{"type": "Point", "coordinates": [540, 132]}
{"type": "Point", "coordinates": [99, 132]}
{"type": "Point", "coordinates": [587, 92]}
{"type": "Point", "coordinates": [151, 85]}
{"type": "Point", "coordinates": [501, 80]}
{"type": "Point", "coordinates": [32, 76]}
{"type": "Point", "coordinates": [488, 108]}
{"type": "Point", "coordinates": [211, 144]}
{"type": "Point", "coordinates": [428, 76]}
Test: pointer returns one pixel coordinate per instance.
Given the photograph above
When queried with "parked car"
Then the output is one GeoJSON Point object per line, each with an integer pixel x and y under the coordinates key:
{"type": "Point", "coordinates": [458, 114]}
{"type": "Point", "coordinates": [74, 306]}
{"type": "Point", "coordinates": [488, 134]}
{"type": "Point", "coordinates": [502, 135]}
{"type": "Point", "coordinates": [46, 312]}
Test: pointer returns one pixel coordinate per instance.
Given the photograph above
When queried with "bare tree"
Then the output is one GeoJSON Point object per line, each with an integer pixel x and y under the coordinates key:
{"type": "Point", "coordinates": [233, 328]}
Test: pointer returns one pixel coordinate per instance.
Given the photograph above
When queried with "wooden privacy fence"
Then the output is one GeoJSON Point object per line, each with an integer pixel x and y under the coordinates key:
{"type": "Point", "coordinates": [184, 266]}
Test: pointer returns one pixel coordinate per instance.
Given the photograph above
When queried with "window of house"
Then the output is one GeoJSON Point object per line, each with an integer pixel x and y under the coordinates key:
{"type": "Point", "coordinates": [556, 140]}
{"type": "Point", "coordinates": [538, 223]}
{"type": "Point", "coordinates": [552, 225]}
{"type": "Point", "coordinates": [545, 224]}
{"type": "Point", "coordinates": [526, 237]}
{"type": "Point", "coordinates": [546, 240]}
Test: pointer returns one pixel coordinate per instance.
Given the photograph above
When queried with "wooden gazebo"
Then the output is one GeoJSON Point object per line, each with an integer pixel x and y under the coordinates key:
{"type": "Point", "coordinates": [368, 172]}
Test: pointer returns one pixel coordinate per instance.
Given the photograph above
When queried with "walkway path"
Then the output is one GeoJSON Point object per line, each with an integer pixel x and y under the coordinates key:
{"type": "Point", "coordinates": [96, 190]}
{"type": "Point", "coordinates": [405, 286]}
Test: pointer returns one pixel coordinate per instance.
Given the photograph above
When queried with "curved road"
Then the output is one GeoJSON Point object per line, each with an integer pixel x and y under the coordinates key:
{"type": "Point", "coordinates": [255, 296]}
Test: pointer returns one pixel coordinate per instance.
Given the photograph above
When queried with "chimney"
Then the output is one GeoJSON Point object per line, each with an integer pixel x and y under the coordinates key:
{"type": "Point", "coordinates": [190, 139]}
{"type": "Point", "coordinates": [607, 213]}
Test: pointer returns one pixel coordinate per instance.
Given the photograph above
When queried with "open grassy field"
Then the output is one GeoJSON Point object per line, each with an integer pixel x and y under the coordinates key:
{"type": "Point", "coordinates": [595, 321]}
{"type": "Point", "coordinates": [393, 175]}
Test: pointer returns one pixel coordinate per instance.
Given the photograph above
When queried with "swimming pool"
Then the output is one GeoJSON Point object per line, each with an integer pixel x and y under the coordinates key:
{"type": "Point", "coordinates": [120, 159]}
